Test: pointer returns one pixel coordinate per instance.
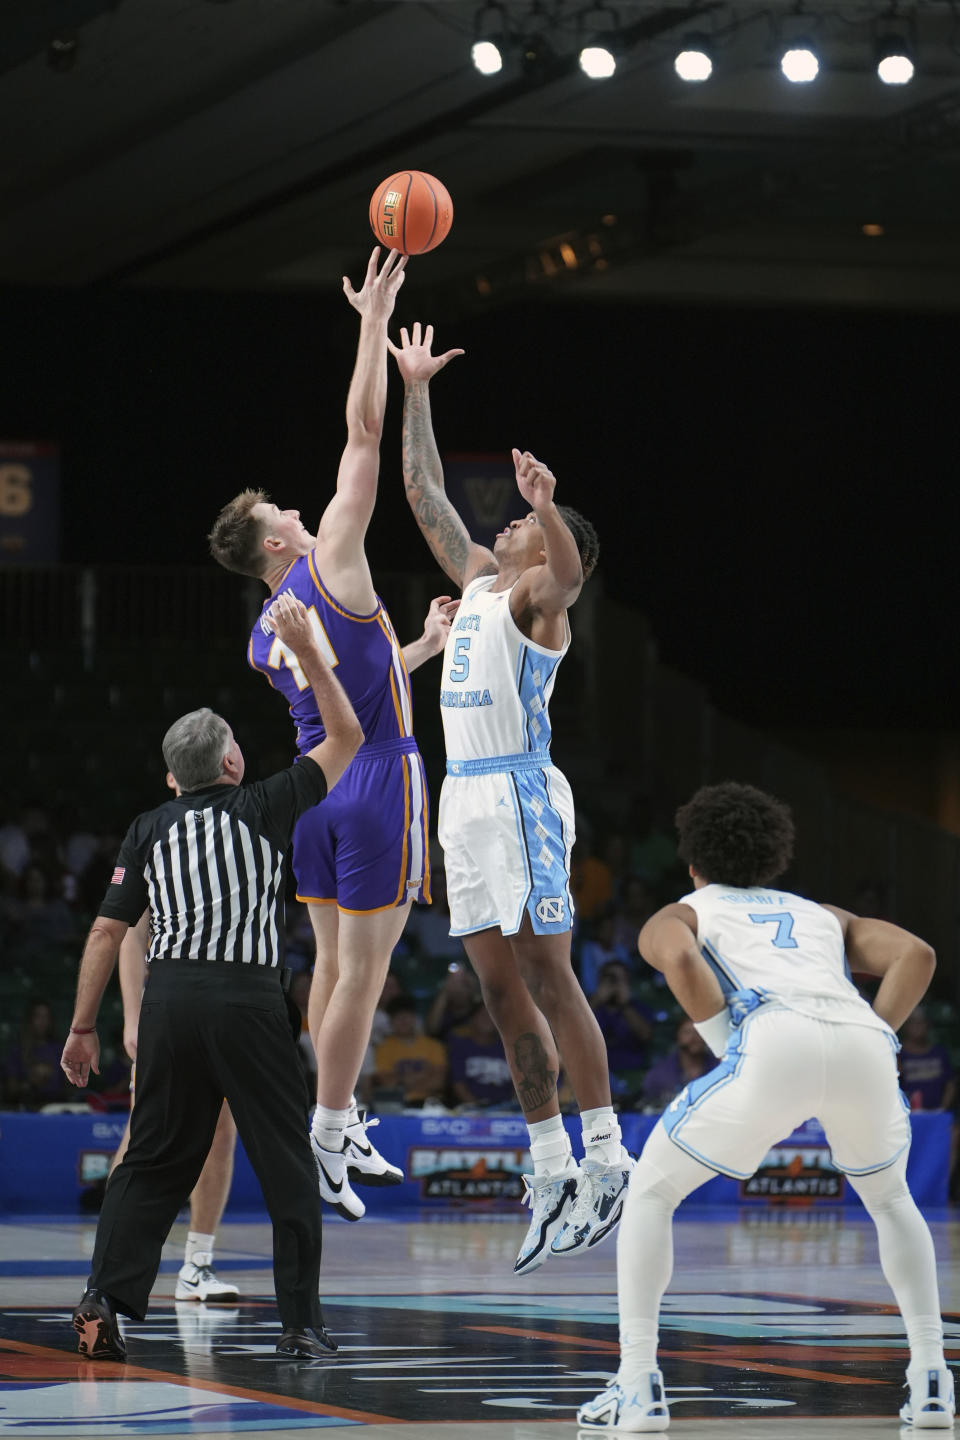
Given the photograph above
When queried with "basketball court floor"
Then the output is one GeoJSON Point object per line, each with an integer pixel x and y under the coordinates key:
{"type": "Point", "coordinates": [773, 1315]}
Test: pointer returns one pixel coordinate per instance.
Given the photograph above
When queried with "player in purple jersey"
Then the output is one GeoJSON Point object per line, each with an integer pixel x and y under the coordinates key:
{"type": "Point", "coordinates": [360, 868]}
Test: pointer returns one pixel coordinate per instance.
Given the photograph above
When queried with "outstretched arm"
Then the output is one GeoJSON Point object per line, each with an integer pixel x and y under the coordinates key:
{"type": "Point", "coordinates": [442, 527]}
{"type": "Point", "coordinates": [436, 628]}
{"type": "Point", "coordinates": [553, 587]}
{"type": "Point", "coordinates": [345, 520]}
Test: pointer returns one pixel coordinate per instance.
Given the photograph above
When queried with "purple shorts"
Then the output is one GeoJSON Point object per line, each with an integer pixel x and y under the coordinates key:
{"type": "Point", "coordinates": [364, 848]}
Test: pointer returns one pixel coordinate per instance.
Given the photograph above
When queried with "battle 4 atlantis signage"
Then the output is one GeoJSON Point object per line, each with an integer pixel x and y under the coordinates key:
{"type": "Point", "coordinates": [798, 1169]}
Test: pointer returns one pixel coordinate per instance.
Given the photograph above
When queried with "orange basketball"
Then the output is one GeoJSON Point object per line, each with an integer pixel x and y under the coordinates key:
{"type": "Point", "coordinates": [411, 212]}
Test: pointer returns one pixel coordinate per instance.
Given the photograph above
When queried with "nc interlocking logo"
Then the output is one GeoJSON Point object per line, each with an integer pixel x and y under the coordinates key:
{"type": "Point", "coordinates": [550, 909]}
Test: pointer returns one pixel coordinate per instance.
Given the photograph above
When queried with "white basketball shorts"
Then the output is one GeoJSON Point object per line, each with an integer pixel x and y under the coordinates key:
{"type": "Point", "coordinates": [782, 1068]}
{"type": "Point", "coordinates": [507, 838]}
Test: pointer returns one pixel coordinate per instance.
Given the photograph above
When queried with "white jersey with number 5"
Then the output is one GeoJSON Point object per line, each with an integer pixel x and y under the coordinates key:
{"type": "Point", "coordinates": [789, 947]}
{"type": "Point", "coordinates": [497, 683]}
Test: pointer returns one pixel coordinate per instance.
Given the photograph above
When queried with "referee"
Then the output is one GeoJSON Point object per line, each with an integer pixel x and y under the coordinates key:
{"type": "Point", "coordinates": [210, 865]}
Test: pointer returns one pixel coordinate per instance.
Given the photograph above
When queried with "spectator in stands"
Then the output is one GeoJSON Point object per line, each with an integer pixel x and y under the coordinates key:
{"type": "Point", "coordinates": [408, 1061]}
{"type": "Point", "coordinates": [688, 1060]}
{"type": "Point", "coordinates": [653, 853]}
{"type": "Point", "coordinates": [591, 879]}
{"type": "Point", "coordinates": [455, 1001]}
{"type": "Point", "coordinates": [636, 907]}
{"type": "Point", "coordinates": [34, 1077]}
{"type": "Point", "coordinates": [604, 947]}
{"type": "Point", "coordinates": [926, 1074]}
{"type": "Point", "coordinates": [479, 1073]}
{"type": "Point", "coordinates": [626, 1029]}
{"type": "Point", "coordinates": [38, 919]}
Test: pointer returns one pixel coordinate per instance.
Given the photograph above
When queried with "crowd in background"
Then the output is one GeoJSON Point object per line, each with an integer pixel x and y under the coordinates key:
{"type": "Point", "coordinates": [433, 1042]}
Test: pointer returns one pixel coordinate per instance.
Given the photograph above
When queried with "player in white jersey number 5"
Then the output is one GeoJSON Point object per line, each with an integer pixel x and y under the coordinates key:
{"type": "Point", "coordinates": [506, 816]}
{"type": "Point", "coordinates": [763, 975]}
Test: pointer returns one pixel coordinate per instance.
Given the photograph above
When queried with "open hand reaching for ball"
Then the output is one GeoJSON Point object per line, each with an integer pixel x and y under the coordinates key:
{"type": "Point", "coordinates": [415, 357]}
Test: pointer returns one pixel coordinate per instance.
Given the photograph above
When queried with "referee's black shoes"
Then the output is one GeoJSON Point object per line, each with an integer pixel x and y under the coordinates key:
{"type": "Point", "coordinates": [306, 1344]}
{"type": "Point", "coordinates": [95, 1322]}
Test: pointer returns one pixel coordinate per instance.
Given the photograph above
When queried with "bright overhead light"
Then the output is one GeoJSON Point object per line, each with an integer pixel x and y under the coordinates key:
{"type": "Point", "coordinates": [894, 60]}
{"type": "Point", "coordinates": [800, 64]}
{"type": "Point", "coordinates": [597, 62]}
{"type": "Point", "coordinates": [486, 57]}
{"type": "Point", "coordinates": [490, 32]}
{"type": "Point", "coordinates": [694, 62]}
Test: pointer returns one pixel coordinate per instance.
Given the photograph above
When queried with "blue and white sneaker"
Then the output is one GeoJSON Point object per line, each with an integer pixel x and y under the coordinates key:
{"type": "Point", "coordinates": [628, 1410]}
{"type": "Point", "coordinates": [551, 1201]}
{"type": "Point", "coordinates": [931, 1404]}
{"type": "Point", "coordinates": [601, 1192]}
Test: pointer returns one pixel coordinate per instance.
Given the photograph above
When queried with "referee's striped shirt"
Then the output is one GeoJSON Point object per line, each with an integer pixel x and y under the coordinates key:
{"type": "Point", "coordinates": [210, 865]}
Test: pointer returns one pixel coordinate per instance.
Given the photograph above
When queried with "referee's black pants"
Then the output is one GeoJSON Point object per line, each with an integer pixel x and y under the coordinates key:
{"type": "Point", "coordinates": [209, 1031]}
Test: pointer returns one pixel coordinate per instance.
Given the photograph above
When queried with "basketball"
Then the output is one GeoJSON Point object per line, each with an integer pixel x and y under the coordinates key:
{"type": "Point", "coordinates": [411, 212]}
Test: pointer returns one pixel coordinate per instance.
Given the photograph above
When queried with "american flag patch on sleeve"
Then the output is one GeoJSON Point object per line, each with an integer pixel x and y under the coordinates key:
{"type": "Point", "coordinates": [118, 874]}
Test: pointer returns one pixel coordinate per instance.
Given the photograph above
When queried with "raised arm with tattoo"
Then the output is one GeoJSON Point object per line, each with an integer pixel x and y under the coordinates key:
{"type": "Point", "coordinates": [445, 533]}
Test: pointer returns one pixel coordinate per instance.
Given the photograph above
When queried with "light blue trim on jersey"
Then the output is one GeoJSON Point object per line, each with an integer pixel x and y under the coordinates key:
{"type": "Point", "coordinates": [566, 848]}
{"type": "Point", "coordinates": [873, 1169]}
{"type": "Point", "coordinates": [500, 764]}
{"type": "Point", "coordinates": [528, 691]}
{"type": "Point", "coordinates": [698, 1091]}
{"type": "Point", "coordinates": [525, 848]}
{"type": "Point", "coordinates": [721, 968]}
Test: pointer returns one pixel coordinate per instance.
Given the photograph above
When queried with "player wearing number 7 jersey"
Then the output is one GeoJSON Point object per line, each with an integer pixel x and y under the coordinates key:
{"type": "Point", "coordinates": [764, 976]}
{"type": "Point", "coordinates": [360, 863]}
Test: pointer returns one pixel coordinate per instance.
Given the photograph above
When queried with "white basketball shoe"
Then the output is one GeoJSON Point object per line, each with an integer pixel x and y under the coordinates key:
{"type": "Point", "coordinates": [628, 1410]}
{"type": "Point", "coordinates": [201, 1282]}
{"type": "Point", "coordinates": [365, 1164]}
{"type": "Point", "coordinates": [601, 1192]}
{"type": "Point", "coordinates": [334, 1185]}
{"type": "Point", "coordinates": [550, 1199]}
{"type": "Point", "coordinates": [931, 1404]}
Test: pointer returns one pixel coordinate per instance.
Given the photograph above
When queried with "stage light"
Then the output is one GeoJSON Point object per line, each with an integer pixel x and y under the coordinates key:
{"type": "Point", "coordinates": [599, 26]}
{"type": "Point", "coordinates": [894, 60]}
{"type": "Point", "coordinates": [695, 61]}
{"type": "Point", "coordinates": [486, 57]}
{"type": "Point", "coordinates": [489, 28]}
{"type": "Point", "coordinates": [799, 63]}
{"type": "Point", "coordinates": [597, 62]}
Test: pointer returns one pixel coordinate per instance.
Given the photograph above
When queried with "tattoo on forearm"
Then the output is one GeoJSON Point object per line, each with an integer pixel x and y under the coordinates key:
{"type": "Point", "coordinates": [538, 1083]}
{"type": "Point", "coordinates": [445, 532]}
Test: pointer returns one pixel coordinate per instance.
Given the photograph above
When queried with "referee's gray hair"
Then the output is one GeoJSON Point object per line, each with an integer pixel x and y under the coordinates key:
{"type": "Point", "coordinates": [194, 748]}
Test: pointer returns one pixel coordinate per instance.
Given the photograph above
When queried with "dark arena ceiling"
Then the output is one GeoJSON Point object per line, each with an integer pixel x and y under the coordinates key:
{"type": "Point", "coordinates": [187, 144]}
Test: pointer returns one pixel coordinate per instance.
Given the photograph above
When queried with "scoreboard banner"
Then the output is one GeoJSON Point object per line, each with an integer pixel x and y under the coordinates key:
{"type": "Point", "coordinates": [29, 502]}
{"type": "Point", "coordinates": [54, 1164]}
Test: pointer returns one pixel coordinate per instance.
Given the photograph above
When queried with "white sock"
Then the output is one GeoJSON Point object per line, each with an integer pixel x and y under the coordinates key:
{"type": "Point", "coordinates": [353, 1114]}
{"type": "Point", "coordinates": [550, 1148]}
{"type": "Point", "coordinates": [198, 1249]}
{"type": "Point", "coordinates": [601, 1136]}
{"type": "Point", "coordinates": [328, 1127]}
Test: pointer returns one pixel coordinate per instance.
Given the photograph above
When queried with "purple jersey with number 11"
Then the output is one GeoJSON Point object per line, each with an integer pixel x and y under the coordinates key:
{"type": "Point", "coordinates": [365, 848]}
{"type": "Point", "coordinates": [361, 649]}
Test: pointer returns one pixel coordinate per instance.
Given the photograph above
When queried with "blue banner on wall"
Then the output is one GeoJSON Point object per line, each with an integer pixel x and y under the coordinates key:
{"type": "Point", "coordinates": [29, 502]}
{"type": "Point", "coordinates": [48, 1163]}
{"type": "Point", "coordinates": [483, 491]}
